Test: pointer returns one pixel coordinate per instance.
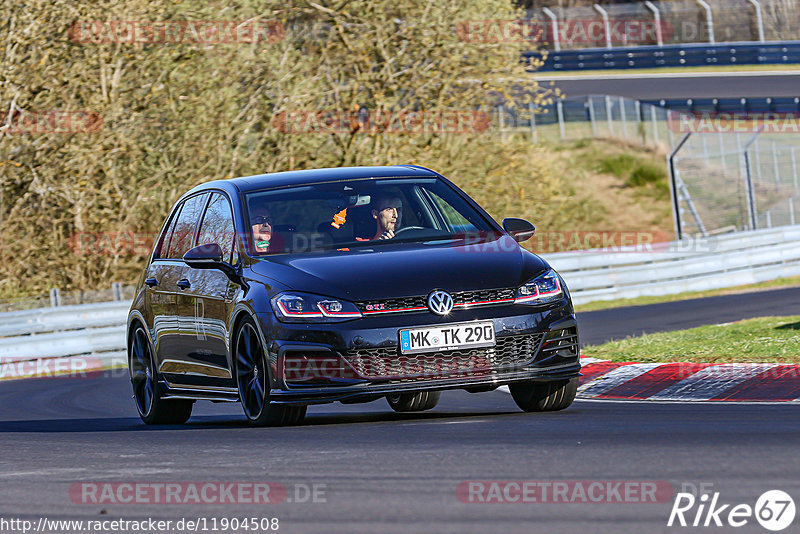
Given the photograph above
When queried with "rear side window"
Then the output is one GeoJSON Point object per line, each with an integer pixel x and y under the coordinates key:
{"type": "Point", "coordinates": [163, 244]}
{"type": "Point", "coordinates": [217, 226]}
{"type": "Point", "coordinates": [183, 233]}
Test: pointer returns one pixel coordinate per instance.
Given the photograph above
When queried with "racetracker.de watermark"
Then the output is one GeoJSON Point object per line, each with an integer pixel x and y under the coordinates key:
{"type": "Point", "coordinates": [53, 121]}
{"type": "Point", "coordinates": [707, 122]}
{"type": "Point", "coordinates": [208, 492]}
{"type": "Point", "coordinates": [564, 491]}
{"type": "Point", "coordinates": [328, 121]}
{"type": "Point", "coordinates": [60, 367]}
{"type": "Point", "coordinates": [574, 31]}
{"type": "Point", "coordinates": [206, 32]}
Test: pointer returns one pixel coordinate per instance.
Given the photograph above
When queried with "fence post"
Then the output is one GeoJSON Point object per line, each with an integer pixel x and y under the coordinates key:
{"type": "Point", "coordinates": [775, 165]}
{"type": "Point", "coordinates": [709, 20]}
{"type": "Point", "coordinates": [657, 20]}
{"type": "Point", "coordinates": [722, 150]}
{"type": "Point", "coordinates": [751, 197]}
{"type": "Point", "coordinates": [591, 116]}
{"type": "Point", "coordinates": [606, 24]}
{"type": "Point", "coordinates": [55, 297]}
{"type": "Point", "coordinates": [608, 116]}
{"type": "Point", "coordinates": [560, 110]}
{"type": "Point", "coordinates": [637, 109]}
{"type": "Point", "coordinates": [673, 186]}
{"type": "Point", "coordinates": [794, 169]}
{"type": "Point", "coordinates": [556, 37]}
{"type": "Point", "coordinates": [622, 116]}
{"type": "Point", "coordinates": [653, 122]}
{"type": "Point", "coordinates": [791, 211]}
{"type": "Point", "coordinates": [759, 20]}
{"type": "Point", "coordinates": [116, 290]}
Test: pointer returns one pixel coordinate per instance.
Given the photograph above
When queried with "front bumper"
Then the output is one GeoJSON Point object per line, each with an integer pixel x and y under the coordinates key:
{"type": "Point", "coordinates": [532, 344]}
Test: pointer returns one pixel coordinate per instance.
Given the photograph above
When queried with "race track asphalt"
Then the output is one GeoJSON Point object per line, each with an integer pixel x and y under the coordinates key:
{"type": "Point", "coordinates": [655, 86]}
{"type": "Point", "coordinates": [387, 472]}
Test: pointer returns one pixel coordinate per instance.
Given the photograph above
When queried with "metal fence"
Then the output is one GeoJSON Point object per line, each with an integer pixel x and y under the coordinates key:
{"type": "Point", "coordinates": [57, 298]}
{"type": "Point", "coordinates": [594, 116]}
{"type": "Point", "coordinates": [666, 22]}
{"type": "Point", "coordinates": [729, 182]}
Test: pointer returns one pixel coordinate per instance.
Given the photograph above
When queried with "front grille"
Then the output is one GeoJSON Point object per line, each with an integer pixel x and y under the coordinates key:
{"type": "Point", "coordinates": [388, 363]}
{"type": "Point", "coordinates": [460, 299]}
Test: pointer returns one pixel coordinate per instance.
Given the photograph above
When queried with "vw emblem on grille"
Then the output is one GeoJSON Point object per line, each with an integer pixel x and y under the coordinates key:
{"type": "Point", "coordinates": [440, 302]}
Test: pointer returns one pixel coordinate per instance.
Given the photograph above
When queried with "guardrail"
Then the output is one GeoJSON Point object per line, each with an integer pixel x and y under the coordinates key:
{"type": "Point", "coordinates": [678, 55]}
{"type": "Point", "coordinates": [691, 265]}
{"type": "Point", "coordinates": [98, 330]}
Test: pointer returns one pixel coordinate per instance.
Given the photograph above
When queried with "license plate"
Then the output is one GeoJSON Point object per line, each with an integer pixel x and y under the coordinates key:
{"type": "Point", "coordinates": [447, 337]}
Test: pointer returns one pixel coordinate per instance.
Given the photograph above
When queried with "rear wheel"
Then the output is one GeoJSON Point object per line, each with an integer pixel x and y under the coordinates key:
{"type": "Point", "coordinates": [151, 407]}
{"type": "Point", "coordinates": [544, 396]}
{"type": "Point", "coordinates": [252, 377]}
{"type": "Point", "coordinates": [414, 402]}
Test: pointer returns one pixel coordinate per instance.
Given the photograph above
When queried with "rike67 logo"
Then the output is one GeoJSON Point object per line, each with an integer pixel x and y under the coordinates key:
{"type": "Point", "coordinates": [774, 510]}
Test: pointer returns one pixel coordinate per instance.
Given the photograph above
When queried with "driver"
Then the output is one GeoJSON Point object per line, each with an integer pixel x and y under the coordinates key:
{"type": "Point", "coordinates": [388, 213]}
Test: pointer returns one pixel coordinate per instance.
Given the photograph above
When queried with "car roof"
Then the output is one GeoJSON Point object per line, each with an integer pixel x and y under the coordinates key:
{"type": "Point", "coordinates": [333, 174]}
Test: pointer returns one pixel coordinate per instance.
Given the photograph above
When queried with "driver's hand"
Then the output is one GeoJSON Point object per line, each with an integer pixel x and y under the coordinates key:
{"type": "Point", "coordinates": [388, 234]}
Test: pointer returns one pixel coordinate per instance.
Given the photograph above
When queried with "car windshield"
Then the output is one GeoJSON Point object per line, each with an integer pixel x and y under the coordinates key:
{"type": "Point", "coordinates": [357, 213]}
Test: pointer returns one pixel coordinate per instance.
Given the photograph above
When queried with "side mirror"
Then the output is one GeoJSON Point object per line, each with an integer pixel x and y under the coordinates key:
{"type": "Point", "coordinates": [520, 229]}
{"type": "Point", "coordinates": [209, 256]}
{"type": "Point", "coordinates": [204, 256]}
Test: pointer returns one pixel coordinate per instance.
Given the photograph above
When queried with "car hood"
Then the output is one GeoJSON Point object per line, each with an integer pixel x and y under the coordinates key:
{"type": "Point", "coordinates": [404, 269]}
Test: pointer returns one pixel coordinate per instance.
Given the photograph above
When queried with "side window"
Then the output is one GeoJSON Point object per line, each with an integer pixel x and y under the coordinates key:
{"type": "Point", "coordinates": [163, 244]}
{"type": "Point", "coordinates": [183, 234]}
{"type": "Point", "coordinates": [217, 226]}
{"type": "Point", "coordinates": [456, 221]}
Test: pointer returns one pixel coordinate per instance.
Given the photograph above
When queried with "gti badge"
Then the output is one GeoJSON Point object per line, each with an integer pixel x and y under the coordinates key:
{"type": "Point", "coordinates": [440, 302]}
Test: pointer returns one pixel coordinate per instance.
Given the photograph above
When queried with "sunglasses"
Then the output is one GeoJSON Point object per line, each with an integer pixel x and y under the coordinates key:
{"type": "Point", "coordinates": [261, 220]}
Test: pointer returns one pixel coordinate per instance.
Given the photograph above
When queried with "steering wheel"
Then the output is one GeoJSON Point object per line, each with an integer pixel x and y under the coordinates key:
{"type": "Point", "coordinates": [403, 229]}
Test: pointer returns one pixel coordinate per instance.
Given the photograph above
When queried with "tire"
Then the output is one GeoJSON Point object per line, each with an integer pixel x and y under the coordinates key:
{"type": "Point", "coordinates": [414, 402]}
{"type": "Point", "coordinates": [252, 381]}
{"type": "Point", "coordinates": [544, 396]}
{"type": "Point", "coordinates": [152, 409]}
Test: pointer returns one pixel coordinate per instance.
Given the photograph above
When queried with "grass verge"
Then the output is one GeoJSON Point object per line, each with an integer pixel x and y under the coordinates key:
{"type": "Point", "coordinates": [765, 339]}
{"type": "Point", "coordinates": [778, 283]}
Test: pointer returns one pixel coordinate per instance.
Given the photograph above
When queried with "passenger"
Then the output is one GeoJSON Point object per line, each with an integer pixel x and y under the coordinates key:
{"type": "Point", "coordinates": [261, 222]}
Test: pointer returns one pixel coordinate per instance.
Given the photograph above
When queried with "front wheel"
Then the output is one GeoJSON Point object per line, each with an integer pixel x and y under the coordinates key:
{"type": "Point", "coordinates": [151, 407]}
{"type": "Point", "coordinates": [414, 402]}
{"type": "Point", "coordinates": [252, 378]}
{"type": "Point", "coordinates": [544, 396]}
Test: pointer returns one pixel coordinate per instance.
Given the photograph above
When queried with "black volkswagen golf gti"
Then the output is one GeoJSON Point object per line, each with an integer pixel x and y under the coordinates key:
{"type": "Point", "coordinates": [349, 284]}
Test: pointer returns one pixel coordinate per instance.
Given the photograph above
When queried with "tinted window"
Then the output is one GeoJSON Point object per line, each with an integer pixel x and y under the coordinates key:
{"type": "Point", "coordinates": [183, 234]}
{"type": "Point", "coordinates": [344, 214]}
{"type": "Point", "coordinates": [163, 244]}
{"type": "Point", "coordinates": [217, 226]}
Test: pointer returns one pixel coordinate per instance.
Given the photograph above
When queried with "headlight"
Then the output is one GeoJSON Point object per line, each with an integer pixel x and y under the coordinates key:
{"type": "Point", "coordinates": [293, 307]}
{"type": "Point", "coordinates": [541, 290]}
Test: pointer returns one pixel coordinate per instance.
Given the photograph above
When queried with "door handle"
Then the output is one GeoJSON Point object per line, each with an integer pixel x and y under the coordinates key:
{"type": "Point", "coordinates": [184, 284]}
{"type": "Point", "coordinates": [151, 282]}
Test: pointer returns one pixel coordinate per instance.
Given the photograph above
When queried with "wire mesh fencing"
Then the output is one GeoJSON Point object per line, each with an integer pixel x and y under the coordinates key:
{"type": "Point", "coordinates": [594, 116]}
{"type": "Point", "coordinates": [665, 22]}
{"type": "Point", "coordinates": [735, 181]}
